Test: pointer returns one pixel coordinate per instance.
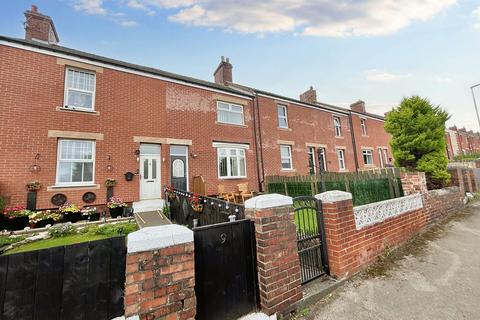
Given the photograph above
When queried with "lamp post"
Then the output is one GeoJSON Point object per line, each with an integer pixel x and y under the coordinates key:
{"type": "Point", "coordinates": [475, 101]}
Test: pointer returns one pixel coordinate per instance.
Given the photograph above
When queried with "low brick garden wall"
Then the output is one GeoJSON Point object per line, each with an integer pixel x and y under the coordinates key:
{"type": "Point", "coordinates": [357, 236]}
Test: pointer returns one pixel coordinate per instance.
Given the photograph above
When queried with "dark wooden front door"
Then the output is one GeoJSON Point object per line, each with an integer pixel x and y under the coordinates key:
{"type": "Point", "coordinates": [178, 169]}
{"type": "Point", "coordinates": [225, 272]}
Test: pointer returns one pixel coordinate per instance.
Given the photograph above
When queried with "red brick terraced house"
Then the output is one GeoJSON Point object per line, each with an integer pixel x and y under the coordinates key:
{"type": "Point", "coordinates": [72, 119]}
{"type": "Point", "coordinates": [461, 142]}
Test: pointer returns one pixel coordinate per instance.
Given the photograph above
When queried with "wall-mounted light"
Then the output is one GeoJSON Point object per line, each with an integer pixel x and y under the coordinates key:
{"type": "Point", "coordinates": [137, 153]}
{"type": "Point", "coordinates": [109, 168]}
{"type": "Point", "coordinates": [35, 168]}
{"type": "Point", "coordinates": [193, 155]}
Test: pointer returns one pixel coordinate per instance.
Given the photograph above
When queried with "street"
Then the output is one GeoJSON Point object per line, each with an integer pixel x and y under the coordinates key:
{"type": "Point", "coordinates": [440, 280]}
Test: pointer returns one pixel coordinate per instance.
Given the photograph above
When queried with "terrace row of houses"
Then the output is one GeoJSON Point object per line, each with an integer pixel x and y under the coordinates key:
{"type": "Point", "coordinates": [72, 119]}
{"type": "Point", "coordinates": [461, 142]}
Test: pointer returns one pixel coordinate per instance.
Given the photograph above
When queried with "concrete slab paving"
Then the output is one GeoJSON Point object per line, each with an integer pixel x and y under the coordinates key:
{"type": "Point", "coordinates": [441, 283]}
{"type": "Point", "coordinates": [150, 219]}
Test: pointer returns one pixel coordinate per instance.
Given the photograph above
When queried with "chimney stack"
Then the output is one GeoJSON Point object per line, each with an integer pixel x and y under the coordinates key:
{"type": "Point", "coordinates": [223, 73]}
{"type": "Point", "coordinates": [39, 27]}
{"type": "Point", "coordinates": [358, 106]}
{"type": "Point", "coordinates": [309, 96]}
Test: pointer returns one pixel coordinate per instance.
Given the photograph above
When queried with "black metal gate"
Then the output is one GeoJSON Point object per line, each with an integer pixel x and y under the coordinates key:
{"type": "Point", "coordinates": [225, 270]}
{"type": "Point", "coordinates": [312, 248]}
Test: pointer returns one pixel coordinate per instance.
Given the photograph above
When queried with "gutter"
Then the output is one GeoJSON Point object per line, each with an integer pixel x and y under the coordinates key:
{"type": "Point", "coordinates": [352, 133]}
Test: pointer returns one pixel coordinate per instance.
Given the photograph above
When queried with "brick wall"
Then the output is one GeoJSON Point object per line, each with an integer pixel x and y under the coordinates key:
{"type": "Point", "coordinates": [278, 263]}
{"type": "Point", "coordinates": [352, 247]}
{"type": "Point", "coordinates": [160, 274]}
{"type": "Point", "coordinates": [128, 105]}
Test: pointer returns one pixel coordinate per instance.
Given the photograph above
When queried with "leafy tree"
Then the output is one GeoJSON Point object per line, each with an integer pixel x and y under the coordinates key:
{"type": "Point", "coordinates": [418, 138]}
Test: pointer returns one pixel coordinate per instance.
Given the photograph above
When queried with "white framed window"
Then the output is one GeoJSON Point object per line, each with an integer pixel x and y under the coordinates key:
{"type": "Point", "coordinates": [311, 160]}
{"type": "Point", "coordinates": [229, 113]}
{"type": "Point", "coordinates": [322, 159]}
{"type": "Point", "coordinates": [367, 157]}
{"type": "Point", "coordinates": [363, 125]}
{"type": "Point", "coordinates": [380, 157]}
{"type": "Point", "coordinates": [286, 157]}
{"type": "Point", "coordinates": [341, 159]}
{"type": "Point", "coordinates": [282, 116]}
{"type": "Point", "coordinates": [75, 162]}
{"type": "Point", "coordinates": [79, 89]}
{"type": "Point", "coordinates": [231, 163]}
{"type": "Point", "coordinates": [337, 126]}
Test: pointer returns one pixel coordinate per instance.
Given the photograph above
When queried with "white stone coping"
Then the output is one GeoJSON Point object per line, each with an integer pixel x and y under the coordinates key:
{"type": "Point", "coordinates": [334, 196]}
{"type": "Point", "coordinates": [266, 201]}
{"type": "Point", "coordinates": [153, 238]}
{"type": "Point", "coordinates": [373, 213]}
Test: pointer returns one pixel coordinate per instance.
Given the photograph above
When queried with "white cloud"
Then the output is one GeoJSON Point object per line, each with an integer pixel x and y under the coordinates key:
{"type": "Point", "coordinates": [90, 6]}
{"type": "Point", "coordinates": [330, 18]}
{"type": "Point", "coordinates": [476, 15]}
{"type": "Point", "coordinates": [128, 23]}
{"type": "Point", "coordinates": [379, 76]}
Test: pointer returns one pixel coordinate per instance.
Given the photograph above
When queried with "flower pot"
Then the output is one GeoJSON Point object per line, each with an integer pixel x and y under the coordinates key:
{"type": "Point", "coordinates": [43, 223]}
{"type": "Point", "coordinates": [94, 217]}
{"type": "Point", "coordinates": [72, 217]}
{"type": "Point", "coordinates": [17, 223]}
{"type": "Point", "coordinates": [171, 196]}
{"type": "Point", "coordinates": [116, 212]}
{"type": "Point", "coordinates": [197, 207]}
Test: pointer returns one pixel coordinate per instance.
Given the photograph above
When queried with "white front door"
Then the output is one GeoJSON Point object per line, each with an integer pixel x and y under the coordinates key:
{"type": "Point", "coordinates": [149, 173]}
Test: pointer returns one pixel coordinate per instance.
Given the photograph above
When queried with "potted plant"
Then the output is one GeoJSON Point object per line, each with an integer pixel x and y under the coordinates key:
{"type": "Point", "coordinates": [170, 192]}
{"type": "Point", "coordinates": [33, 186]}
{"type": "Point", "coordinates": [110, 183]}
{"type": "Point", "coordinates": [196, 202]}
{"type": "Point", "coordinates": [16, 217]}
{"type": "Point", "coordinates": [41, 219]}
{"type": "Point", "coordinates": [90, 213]}
{"type": "Point", "coordinates": [116, 206]}
{"type": "Point", "coordinates": [71, 212]}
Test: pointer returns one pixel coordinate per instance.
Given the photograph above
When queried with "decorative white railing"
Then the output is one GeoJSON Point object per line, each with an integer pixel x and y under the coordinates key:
{"type": "Point", "coordinates": [373, 213]}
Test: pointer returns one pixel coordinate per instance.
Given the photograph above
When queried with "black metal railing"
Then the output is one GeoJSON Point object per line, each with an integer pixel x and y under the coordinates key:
{"type": "Point", "coordinates": [213, 210]}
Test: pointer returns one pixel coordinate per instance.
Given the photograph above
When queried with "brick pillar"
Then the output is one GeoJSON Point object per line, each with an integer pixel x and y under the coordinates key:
{"type": "Point", "coordinates": [413, 182]}
{"type": "Point", "coordinates": [339, 222]}
{"type": "Point", "coordinates": [160, 274]}
{"type": "Point", "coordinates": [277, 254]}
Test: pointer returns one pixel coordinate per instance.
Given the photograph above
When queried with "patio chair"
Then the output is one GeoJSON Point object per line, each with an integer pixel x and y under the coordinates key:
{"type": "Point", "coordinates": [245, 193]}
{"type": "Point", "coordinates": [227, 196]}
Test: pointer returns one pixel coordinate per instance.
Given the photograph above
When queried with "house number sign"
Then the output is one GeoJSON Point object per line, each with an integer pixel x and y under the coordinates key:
{"type": "Point", "coordinates": [223, 237]}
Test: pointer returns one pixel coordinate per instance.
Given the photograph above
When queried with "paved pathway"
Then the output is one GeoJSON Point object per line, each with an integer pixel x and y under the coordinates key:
{"type": "Point", "coordinates": [150, 219]}
{"type": "Point", "coordinates": [441, 283]}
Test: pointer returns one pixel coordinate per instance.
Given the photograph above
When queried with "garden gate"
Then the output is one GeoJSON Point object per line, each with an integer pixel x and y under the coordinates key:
{"type": "Point", "coordinates": [225, 270]}
{"type": "Point", "coordinates": [312, 249]}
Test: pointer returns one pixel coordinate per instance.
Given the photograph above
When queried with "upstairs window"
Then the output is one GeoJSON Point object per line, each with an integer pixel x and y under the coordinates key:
{"type": "Point", "coordinates": [282, 116]}
{"type": "Point", "coordinates": [363, 125]}
{"type": "Point", "coordinates": [75, 162]}
{"type": "Point", "coordinates": [338, 126]}
{"type": "Point", "coordinates": [79, 89]}
{"type": "Point", "coordinates": [229, 113]}
{"type": "Point", "coordinates": [367, 157]}
{"type": "Point", "coordinates": [286, 157]}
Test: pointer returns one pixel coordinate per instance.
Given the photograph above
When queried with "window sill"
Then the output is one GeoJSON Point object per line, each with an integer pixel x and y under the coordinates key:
{"type": "Point", "coordinates": [231, 124]}
{"type": "Point", "coordinates": [288, 170]}
{"type": "Point", "coordinates": [340, 137]}
{"type": "Point", "coordinates": [232, 178]}
{"type": "Point", "coordinates": [284, 129]}
{"type": "Point", "coordinates": [63, 109]}
{"type": "Point", "coordinates": [73, 187]}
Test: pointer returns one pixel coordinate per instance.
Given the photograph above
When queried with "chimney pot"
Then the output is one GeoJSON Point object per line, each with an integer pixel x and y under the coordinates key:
{"type": "Point", "coordinates": [223, 73]}
{"type": "Point", "coordinates": [39, 27]}
{"type": "Point", "coordinates": [309, 96]}
{"type": "Point", "coordinates": [358, 106]}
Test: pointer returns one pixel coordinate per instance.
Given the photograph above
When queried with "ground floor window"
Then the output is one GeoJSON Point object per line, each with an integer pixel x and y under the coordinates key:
{"type": "Point", "coordinates": [286, 157]}
{"type": "Point", "coordinates": [311, 160]}
{"type": "Point", "coordinates": [322, 159]}
{"type": "Point", "coordinates": [75, 161]}
{"type": "Point", "coordinates": [341, 159]}
{"type": "Point", "coordinates": [367, 157]}
{"type": "Point", "coordinates": [231, 163]}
